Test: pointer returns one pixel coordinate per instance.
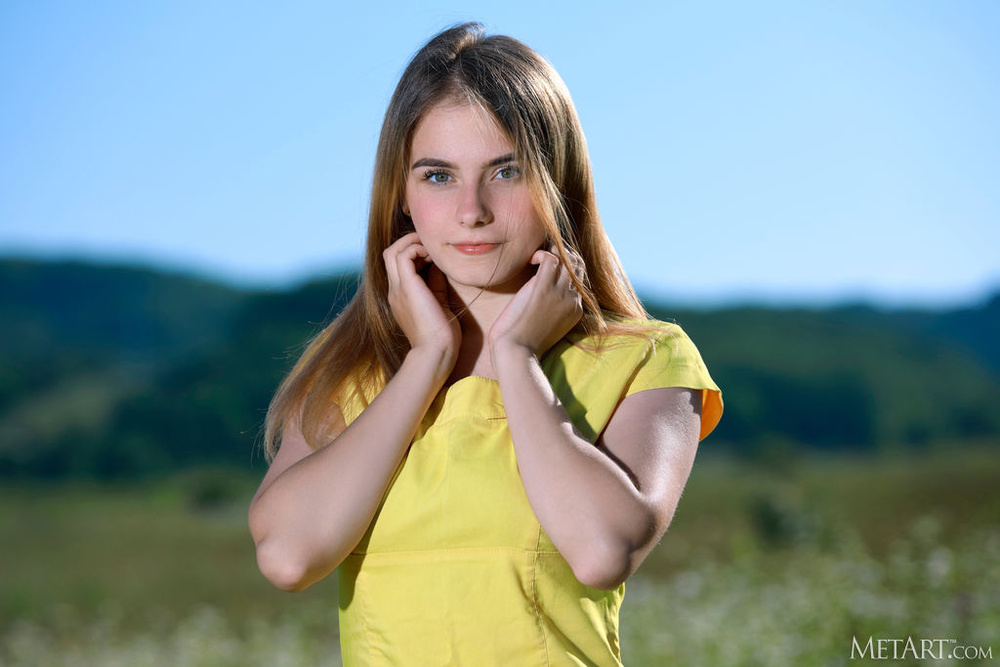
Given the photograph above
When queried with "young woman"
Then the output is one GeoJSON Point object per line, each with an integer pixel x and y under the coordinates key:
{"type": "Point", "coordinates": [493, 435]}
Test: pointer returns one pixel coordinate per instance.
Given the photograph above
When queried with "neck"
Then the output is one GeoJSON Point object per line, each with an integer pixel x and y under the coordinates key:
{"type": "Point", "coordinates": [478, 309]}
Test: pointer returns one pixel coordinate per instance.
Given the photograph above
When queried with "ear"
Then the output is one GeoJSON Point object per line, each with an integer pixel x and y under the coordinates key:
{"type": "Point", "coordinates": [405, 208]}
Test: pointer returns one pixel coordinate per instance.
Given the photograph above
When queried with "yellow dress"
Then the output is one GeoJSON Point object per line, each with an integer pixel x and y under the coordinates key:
{"type": "Point", "coordinates": [455, 568]}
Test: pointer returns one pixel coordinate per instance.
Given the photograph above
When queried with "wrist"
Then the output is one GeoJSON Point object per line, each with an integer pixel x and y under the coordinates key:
{"type": "Point", "coordinates": [505, 352]}
{"type": "Point", "coordinates": [437, 360]}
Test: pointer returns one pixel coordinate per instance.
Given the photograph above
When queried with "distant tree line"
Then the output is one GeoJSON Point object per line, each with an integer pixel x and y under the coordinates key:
{"type": "Point", "coordinates": [111, 372]}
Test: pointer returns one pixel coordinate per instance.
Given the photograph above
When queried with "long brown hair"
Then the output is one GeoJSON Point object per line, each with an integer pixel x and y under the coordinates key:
{"type": "Point", "coordinates": [531, 104]}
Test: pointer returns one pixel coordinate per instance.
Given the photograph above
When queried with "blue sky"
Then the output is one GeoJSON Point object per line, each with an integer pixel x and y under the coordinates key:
{"type": "Point", "coordinates": [769, 151]}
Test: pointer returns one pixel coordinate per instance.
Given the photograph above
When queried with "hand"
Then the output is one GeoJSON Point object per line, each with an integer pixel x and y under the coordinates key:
{"type": "Point", "coordinates": [544, 309]}
{"type": "Point", "coordinates": [421, 308]}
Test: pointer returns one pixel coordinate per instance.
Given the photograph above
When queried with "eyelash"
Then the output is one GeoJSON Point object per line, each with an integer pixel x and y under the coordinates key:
{"type": "Point", "coordinates": [516, 171]}
{"type": "Point", "coordinates": [430, 175]}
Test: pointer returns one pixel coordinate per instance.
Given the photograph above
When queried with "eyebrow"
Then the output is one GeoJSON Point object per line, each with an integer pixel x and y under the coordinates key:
{"type": "Point", "coordinates": [434, 162]}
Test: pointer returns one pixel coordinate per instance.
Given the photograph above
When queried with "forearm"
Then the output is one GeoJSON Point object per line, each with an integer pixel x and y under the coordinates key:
{"type": "Point", "coordinates": [310, 517]}
{"type": "Point", "coordinates": [593, 512]}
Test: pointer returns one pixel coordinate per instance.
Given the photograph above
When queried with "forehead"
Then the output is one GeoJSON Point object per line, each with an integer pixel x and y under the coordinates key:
{"type": "Point", "coordinates": [459, 131]}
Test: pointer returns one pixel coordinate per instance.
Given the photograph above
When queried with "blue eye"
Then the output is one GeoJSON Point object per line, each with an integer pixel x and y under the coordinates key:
{"type": "Point", "coordinates": [438, 177]}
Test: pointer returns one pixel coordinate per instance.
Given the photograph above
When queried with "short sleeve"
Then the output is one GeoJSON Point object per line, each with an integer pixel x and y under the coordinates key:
{"type": "Point", "coordinates": [674, 361]}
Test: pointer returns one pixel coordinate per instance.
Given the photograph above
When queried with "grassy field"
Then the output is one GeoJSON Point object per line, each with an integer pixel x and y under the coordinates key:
{"type": "Point", "coordinates": [765, 564]}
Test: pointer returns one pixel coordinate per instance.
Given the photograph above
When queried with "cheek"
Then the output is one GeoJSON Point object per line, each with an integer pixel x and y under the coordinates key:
{"type": "Point", "coordinates": [430, 234]}
{"type": "Point", "coordinates": [532, 229]}
{"type": "Point", "coordinates": [539, 233]}
{"type": "Point", "coordinates": [422, 214]}
{"type": "Point", "coordinates": [523, 221]}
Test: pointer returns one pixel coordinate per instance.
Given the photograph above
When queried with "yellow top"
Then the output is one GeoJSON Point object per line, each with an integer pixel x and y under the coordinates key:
{"type": "Point", "coordinates": [455, 568]}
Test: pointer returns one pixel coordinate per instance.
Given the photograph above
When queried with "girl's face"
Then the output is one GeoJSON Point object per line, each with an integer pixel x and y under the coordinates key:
{"type": "Point", "coordinates": [469, 203]}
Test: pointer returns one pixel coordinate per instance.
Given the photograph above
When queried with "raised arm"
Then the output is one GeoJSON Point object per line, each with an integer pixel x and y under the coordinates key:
{"type": "Point", "coordinates": [604, 506]}
{"type": "Point", "coordinates": [313, 507]}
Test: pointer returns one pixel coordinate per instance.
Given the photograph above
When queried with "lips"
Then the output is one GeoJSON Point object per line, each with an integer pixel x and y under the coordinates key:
{"type": "Point", "coordinates": [475, 248]}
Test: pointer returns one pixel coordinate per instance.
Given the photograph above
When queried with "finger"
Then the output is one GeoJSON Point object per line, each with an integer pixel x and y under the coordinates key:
{"type": "Point", "coordinates": [389, 255]}
{"type": "Point", "coordinates": [407, 239]}
{"type": "Point", "coordinates": [548, 266]}
{"type": "Point", "coordinates": [564, 279]}
{"type": "Point", "coordinates": [538, 257]}
{"type": "Point", "coordinates": [569, 258]}
{"type": "Point", "coordinates": [389, 259]}
{"type": "Point", "coordinates": [578, 265]}
{"type": "Point", "coordinates": [422, 259]}
{"type": "Point", "coordinates": [577, 271]}
{"type": "Point", "coordinates": [407, 259]}
{"type": "Point", "coordinates": [401, 243]}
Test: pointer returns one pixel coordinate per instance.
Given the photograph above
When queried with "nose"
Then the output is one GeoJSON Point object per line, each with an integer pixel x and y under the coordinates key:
{"type": "Point", "coordinates": [473, 209]}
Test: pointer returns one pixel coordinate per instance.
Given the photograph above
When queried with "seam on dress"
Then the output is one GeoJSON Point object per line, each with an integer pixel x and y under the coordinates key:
{"type": "Point", "coordinates": [452, 550]}
{"type": "Point", "coordinates": [465, 417]}
{"type": "Point", "coordinates": [365, 628]}
{"type": "Point", "coordinates": [534, 597]}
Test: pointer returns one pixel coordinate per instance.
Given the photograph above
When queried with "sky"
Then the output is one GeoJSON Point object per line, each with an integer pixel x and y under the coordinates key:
{"type": "Point", "coordinates": [781, 152]}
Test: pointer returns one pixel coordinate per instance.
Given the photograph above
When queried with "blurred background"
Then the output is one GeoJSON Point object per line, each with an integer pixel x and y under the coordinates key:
{"type": "Point", "coordinates": [809, 190]}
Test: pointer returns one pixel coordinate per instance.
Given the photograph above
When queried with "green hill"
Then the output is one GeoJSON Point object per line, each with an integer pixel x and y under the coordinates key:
{"type": "Point", "coordinates": [111, 371]}
{"type": "Point", "coordinates": [108, 311]}
{"type": "Point", "coordinates": [79, 339]}
{"type": "Point", "coordinates": [839, 378]}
